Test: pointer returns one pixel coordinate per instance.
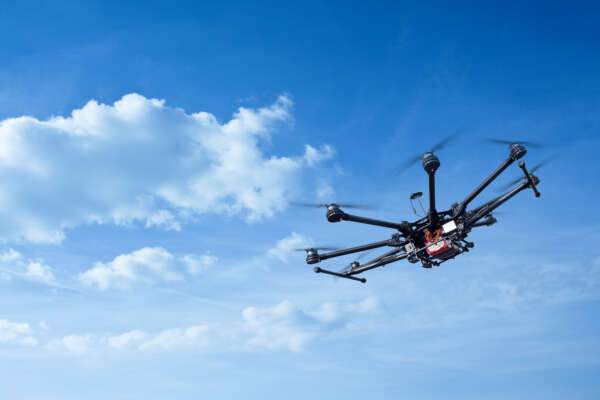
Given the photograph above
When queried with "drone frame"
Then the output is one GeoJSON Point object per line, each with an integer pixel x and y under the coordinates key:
{"type": "Point", "coordinates": [455, 223]}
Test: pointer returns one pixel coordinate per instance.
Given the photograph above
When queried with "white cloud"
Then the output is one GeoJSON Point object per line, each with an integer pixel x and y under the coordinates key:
{"type": "Point", "coordinates": [194, 336]}
{"type": "Point", "coordinates": [10, 255]}
{"type": "Point", "coordinates": [280, 327]}
{"type": "Point", "coordinates": [285, 246]}
{"type": "Point", "coordinates": [74, 344]}
{"type": "Point", "coordinates": [198, 337]}
{"type": "Point", "coordinates": [15, 264]}
{"type": "Point", "coordinates": [127, 339]}
{"type": "Point", "coordinates": [196, 264]}
{"type": "Point", "coordinates": [285, 326]}
{"type": "Point", "coordinates": [315, 156]}
{"type": "Point", "coordinates": [16, 334]}
{"type": "Point", "coordinates": [165, 219]}
{"type": "Point", "coordinates": [324, 191]}
{"type": "Point", "coordinates": [39, 272]}
{"type": "Point", "coordinates": [146, 266]}
{"type": "Point", "coordinates": [117, 163]}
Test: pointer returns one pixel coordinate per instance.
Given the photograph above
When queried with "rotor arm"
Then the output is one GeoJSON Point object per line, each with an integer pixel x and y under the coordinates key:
{"type": "Point", "coordinates": [320, 270]}
{"type": "Point", "coordinates": [530, 180]}
{"type": "Point", "coordinates": [485, 209]}
{"type": "Point", "coordinates": [516, 152]}
{"type": "Point", "coordinates": [377, 262]}
{"type": "Point", "coordinates": [380, 263]}
{"type": "Point", "coordinates": [403, 227]}
{"type": "Point", "coordinates": [394, 241]}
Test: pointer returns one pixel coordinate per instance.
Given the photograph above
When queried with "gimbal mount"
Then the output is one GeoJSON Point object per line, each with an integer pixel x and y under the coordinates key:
{"type": "Point", "coordinates": [435, 238]}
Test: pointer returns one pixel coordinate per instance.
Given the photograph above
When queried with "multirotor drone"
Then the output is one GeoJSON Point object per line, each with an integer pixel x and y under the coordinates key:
{"type": "Point", "coordinates": [438, 236]}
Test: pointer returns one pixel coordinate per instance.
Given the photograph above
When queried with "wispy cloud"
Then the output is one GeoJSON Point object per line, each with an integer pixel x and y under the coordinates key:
{"type": "Point", "coordinates": [15, 333]}
{"type": "Point", "coordinates": [282, 327]}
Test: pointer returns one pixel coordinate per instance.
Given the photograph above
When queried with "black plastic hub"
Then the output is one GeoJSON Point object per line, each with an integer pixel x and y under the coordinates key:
{"type": "Point", "coordinates": [517, 151]}
{"type": "Point", "coordinates": [430, 162]}
{"type": "Point", "coordinates": [312, 257]}
{"type": "Point", "coordinates": [334, 214]}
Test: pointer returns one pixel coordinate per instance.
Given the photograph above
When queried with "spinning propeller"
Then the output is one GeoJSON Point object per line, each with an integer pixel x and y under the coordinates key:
{"type": "Point", "coordinates": [531, 171]}
{"type": "Point", "coordinates": [413, 160]}
{"type": "Point", "coordinates": [316, 248]}
{"type": "Point", "coordinates": [510, 142]}
{"type": "Point", "coordinates": [353, 264]}
{"type": "Point", "coordinates": [326, 205]}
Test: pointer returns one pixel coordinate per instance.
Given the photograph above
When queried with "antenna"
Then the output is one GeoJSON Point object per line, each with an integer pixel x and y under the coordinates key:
{"type": "Point", "coordinates": [417, 196]}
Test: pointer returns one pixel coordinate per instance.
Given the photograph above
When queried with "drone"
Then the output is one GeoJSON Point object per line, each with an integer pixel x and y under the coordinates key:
{"type": "Point", "coordinates": [438, 236]}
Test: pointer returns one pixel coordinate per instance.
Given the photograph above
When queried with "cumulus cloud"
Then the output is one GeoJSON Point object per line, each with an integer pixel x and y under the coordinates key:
{"type": "Point", "coordinates": [16, 333]}
{"type": "Point", "coordinates": [141, 160]}
{"type": "Point", "coordinates": [147, 265]}
{"type": "Point", "coordinates": [39, 272]}
{"type": "Point", "coordinates": [15, 264]}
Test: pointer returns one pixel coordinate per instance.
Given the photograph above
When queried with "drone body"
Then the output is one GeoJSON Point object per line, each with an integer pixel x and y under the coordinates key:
{"type": "Point", "coordinates": [437, 237]}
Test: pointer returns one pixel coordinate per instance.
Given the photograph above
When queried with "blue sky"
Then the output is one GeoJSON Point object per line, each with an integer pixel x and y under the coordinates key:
{"type": "Point", "coordinates": [149, 155]}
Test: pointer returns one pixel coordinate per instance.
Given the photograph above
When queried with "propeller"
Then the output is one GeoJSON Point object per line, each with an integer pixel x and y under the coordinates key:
{"type": "Point", "coordinates": [325, 248]}
{"type": "Point", "coordinates": [349, 267]}
{"type": "Point", "coordinates": [509, 142]}
{"type": "Point", "coordinates": [438, 146]}
{"type": "Point", "coordinates": [325, 205]}
{"type": "Point", "coordinates": [531, 171]}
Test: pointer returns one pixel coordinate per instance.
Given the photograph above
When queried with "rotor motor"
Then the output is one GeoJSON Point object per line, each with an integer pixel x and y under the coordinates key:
{"type": "Point", "coordinates": [517, 151]}
{"type": "Point", "coordinates": [430, 162]}
{"type": "Point", "coordinates": [334, 214]}
{"type": "Point", "coordinates": [312, 257]}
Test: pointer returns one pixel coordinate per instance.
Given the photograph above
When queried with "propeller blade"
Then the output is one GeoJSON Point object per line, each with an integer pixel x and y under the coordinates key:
{"type": "Point", "coordinates": [348, 267]}
{"type": "Point", "coordinates": [325, 205]}
{"type": "Point", "coordinates": [408, 163]}
{"type": "Point", "coordinates": [509, 142]}
{"type": "Point", "coordinates": [356, 206]}
{"type": "Point", "coordinates": [316, 248]}
{"type": "Point", "coordinates": [544, 162]}
{"type": "Point", "coordinates": [510, 184]}
{"type": "Point", "coordinates": [438, 146]}
{"type": "Point", "coordinates": [447, 140]}
{"type": "Point", "coordinates": [532, 170]}
{"type": "Point", "coordinates": [307, 205]}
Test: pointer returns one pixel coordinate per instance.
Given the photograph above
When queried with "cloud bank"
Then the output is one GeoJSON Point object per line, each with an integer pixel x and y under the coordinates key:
{"type": "Point", "coordinates": [141, 160]}
{"type": "Point", "coordinates": [282, 327]}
